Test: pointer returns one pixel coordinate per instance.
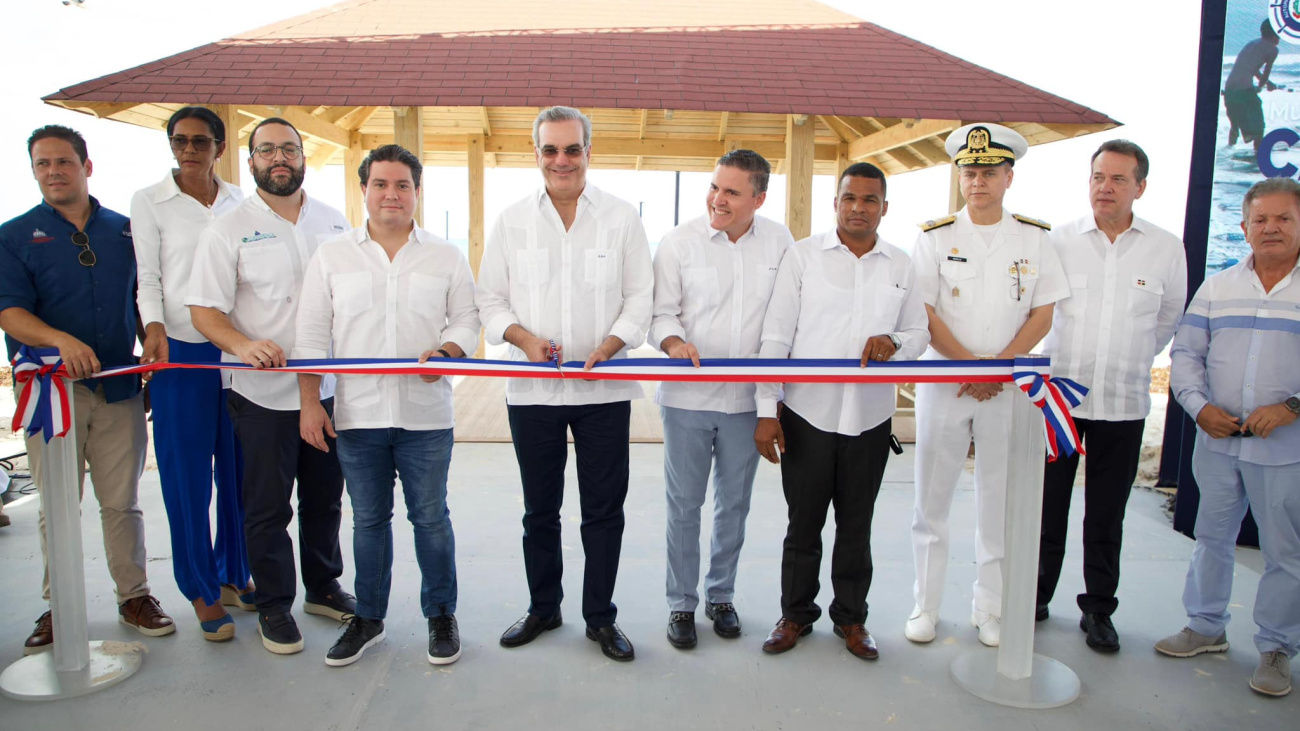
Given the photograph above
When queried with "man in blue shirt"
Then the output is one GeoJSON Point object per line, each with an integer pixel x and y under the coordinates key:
{"type": "Point", "coordinates": [67, 281]}
{"type": "Point", "coordinates": [1234, 359]}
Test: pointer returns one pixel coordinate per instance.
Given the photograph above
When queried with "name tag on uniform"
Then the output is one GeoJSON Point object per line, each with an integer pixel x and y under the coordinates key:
{"type": "Point", "coordinates": [956, 258]}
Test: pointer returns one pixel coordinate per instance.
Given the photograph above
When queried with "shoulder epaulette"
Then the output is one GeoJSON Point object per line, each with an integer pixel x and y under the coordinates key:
{"type": "Point", "coordinates": [1032, 221]}
{"type": "Point", "coordinates": [934, 223]}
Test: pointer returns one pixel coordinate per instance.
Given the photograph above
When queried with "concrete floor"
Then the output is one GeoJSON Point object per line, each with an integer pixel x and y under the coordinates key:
{"type": "Point", "coordinates": [562, 680]}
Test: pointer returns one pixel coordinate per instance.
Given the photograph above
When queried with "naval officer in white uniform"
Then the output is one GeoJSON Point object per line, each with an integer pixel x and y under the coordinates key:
{"type": "Point", "coordinates": [989, 279]}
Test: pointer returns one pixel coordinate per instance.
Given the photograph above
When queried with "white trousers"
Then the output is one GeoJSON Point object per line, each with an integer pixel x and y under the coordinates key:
{"type": "Point", "coordinates": [945, 425]}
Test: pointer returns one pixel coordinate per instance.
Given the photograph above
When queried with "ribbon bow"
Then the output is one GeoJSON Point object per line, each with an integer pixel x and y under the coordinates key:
{"type": "Point", "coordinates": [43, 407]}
{"type": "Point", "coordinates": [1055, 396]}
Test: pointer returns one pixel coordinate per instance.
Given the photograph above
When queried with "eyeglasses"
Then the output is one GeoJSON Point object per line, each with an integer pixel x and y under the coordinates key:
{"type": "Point", "coordinates": [201, 143]}
{"type": "Point", "coordinates": [267, 150]}
{"type": "Point", "coordinates": [550, 151]}
{"type": "Point", "coordinates": [85, 256]}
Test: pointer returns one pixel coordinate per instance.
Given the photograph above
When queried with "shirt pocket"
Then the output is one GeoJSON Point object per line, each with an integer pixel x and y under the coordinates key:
{"type": "Point", "coordinates": [268, 270]}
{"type": "Point", "coordinates": [426, 296]}
{"type": "Point", "coordinates": [700, 289]}
{"type": "Point", "coordinates": [352, 292]}
{"type": "Point", "coordinates": [889, 302]}
{"type": "Point", "coordinates": [358, 392]}
{"type": "Point", "coordinates": [1145, 295]}
{"type": "Point", "coordinates": [1021, 279]}
{"type": "Point", "coordinates": [598, 268]}
{"type": "Point", "coordinates": [532, 267]}
{"type": "Point", "coordinates": [764, 281]}
{"type": "Point", "coordinates": [956, 276]}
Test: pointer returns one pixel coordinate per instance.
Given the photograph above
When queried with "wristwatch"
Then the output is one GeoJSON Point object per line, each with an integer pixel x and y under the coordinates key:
{"type": "Point", "coordinates": [1292, 404]}
{"type": "Point", "coordinates": [898, 344]}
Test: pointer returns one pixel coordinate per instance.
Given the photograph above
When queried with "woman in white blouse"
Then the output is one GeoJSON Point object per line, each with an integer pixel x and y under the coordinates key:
{"type": "Point", "coordinates": [193, 438]}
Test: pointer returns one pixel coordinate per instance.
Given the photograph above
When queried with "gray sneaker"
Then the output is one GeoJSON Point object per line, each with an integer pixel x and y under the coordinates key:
{"type": "Point", "coordinates": [1188, 644]}
{"type": "Point", "coordinates": [1273, 675]}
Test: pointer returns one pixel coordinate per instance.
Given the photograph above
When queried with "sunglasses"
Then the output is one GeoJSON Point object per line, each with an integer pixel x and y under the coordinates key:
{"type": "Point", "coordinates": [201, 144]}
{"type": "Point", "coordinates": [267, 150]}
{"type": "Point", "coordinates": [550, 151]}
{"type": "Point", "coordinates": [85, 256]}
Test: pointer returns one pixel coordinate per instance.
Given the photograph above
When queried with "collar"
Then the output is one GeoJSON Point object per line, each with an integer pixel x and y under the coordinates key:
{"type": "Point", "coordinates": [715, 232]}
{"type": "Point", "coordinates": [52, 211]}
{"type": "Point", "coordinates": [831, 240]}
{"type": "Point", "coordinates": [361, 235]}
{"type": "Point", "coordinates": [1090, 224]}
{"type": "Point", "coordinates": [167, 188]}
{"type": "Point", "coordinates": [261, 203]}
{"type": "Point", "coordinates": [590, 194]}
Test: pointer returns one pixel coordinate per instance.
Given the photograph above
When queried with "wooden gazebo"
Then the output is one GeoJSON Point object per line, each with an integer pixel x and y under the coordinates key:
{"type": "Point", "coordinates": [668, 85]}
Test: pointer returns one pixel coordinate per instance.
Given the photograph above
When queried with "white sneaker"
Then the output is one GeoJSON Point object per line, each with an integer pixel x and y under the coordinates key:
{"type": "Point", "coordinates": [920, 626]}
{"type": "Point", "coordinates": [990, 627]}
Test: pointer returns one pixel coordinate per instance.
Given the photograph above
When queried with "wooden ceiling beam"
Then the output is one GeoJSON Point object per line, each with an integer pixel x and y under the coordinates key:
{"type": "Point", "coordinates": [899, 135]}
{"type": "Point", "coordinates": [302, 121]}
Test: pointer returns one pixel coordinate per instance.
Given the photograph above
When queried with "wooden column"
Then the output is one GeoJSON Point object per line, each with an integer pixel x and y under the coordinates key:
{"type": "Point", "coordinates": [955, 201]}
{"type": "Point", "coordinates": [474, 162]}
{"type": "Point", "coordinates": [842, 162]}
{"type": "Point", "coordinates": [799, 149]}
{"type": "Point", "coordinates": [352, 157]}
{"type": "Point", "coordinates": [408, 131]}
{"type": "Point", "coordinates": [228, 167]}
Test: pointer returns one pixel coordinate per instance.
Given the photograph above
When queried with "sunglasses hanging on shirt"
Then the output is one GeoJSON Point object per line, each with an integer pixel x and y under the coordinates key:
{"type": "Point", "coordinates": [85, 256]}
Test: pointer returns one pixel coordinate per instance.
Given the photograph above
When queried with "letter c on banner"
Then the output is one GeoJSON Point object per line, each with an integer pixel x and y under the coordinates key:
{"type": "Point", "coordinates": [1264, 157]}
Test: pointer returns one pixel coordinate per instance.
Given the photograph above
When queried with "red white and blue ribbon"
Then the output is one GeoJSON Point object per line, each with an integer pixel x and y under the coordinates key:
{"type": "Point", "coordinates": [1041, 388]}
{"type": "Point", "coordinates": [43, 406]}
{"type": "Point", "coordinates": [1055, 396]}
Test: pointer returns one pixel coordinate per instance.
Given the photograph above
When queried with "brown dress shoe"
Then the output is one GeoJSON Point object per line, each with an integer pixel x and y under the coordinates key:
{"type": "Point", "coordinates": [784, 636]}
{"type": "Point", "coordinates": [858, 640]}
{"type": "Point", "coordinates": [147, 615]}
{"type": "Point", "coordinates": [42, 637]}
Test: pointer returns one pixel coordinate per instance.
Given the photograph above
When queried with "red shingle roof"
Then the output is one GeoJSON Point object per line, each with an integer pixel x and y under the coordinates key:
{"type": "Point", "coordinates": [858, 70]}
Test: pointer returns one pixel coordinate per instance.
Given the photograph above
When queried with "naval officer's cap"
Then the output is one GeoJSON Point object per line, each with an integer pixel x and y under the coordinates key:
{"type": "Point", "coordinates": [985, 143]}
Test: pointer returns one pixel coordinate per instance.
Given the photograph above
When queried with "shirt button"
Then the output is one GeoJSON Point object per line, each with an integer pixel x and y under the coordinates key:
{"type": "Point", "coordinates": [288, 299]}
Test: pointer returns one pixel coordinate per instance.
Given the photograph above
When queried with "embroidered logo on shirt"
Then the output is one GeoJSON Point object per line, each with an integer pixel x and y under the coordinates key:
{"type": "Point", "coordinates": [257, 236]}
{"type": "Point", "coordinates": [40, 237]}
{"type": "Point", "coordinates": [126, 230]}
{"type": "Point", "coordinates": [1142, 282]}
{"type": "Point", "coordinates": [336, 227]}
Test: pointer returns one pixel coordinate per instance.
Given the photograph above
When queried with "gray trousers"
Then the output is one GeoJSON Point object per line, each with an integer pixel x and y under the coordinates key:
{"type": "Point", "coordinates": [694, 443]}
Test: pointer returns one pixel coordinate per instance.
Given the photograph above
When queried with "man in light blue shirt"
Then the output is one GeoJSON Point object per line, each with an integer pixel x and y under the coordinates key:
{"type": "Point", "coordinates": [1234, 369]}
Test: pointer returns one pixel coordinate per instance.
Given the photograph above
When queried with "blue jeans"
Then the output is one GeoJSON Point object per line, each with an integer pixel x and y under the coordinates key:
{"type": "Point", "coordinates": [371, 459]}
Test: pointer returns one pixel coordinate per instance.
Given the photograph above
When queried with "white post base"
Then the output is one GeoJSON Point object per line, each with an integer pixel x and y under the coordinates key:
{"type": "Point", "coordinates": [1050, 684]}
{"type": "Point", "coordinates": [34, 678]}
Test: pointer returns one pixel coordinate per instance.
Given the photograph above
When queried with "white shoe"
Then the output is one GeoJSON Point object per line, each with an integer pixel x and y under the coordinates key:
{"type": "Point", "coordinates": [920, 626]}
{"type": "Point", "coordinates": [990, 627]}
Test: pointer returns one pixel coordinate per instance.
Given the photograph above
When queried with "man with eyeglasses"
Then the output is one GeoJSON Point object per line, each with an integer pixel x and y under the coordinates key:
{"type": "Point", "coordinates": [243, 297]}
{"type": "Point", "coordinates": [1128, 283]}
{"type": "Point", "coordinates": [67, 281]}
{"type": "Point", "coordinates": [567, 272]}
{"type": "Point", "coordinates": [989, 278]}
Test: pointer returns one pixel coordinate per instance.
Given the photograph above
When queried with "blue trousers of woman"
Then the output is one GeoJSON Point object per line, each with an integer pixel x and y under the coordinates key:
{"type": "Point", "coordinates": [195, 444]}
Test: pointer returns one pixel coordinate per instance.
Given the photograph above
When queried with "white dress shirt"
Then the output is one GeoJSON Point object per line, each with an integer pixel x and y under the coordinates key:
{"type": "Point", "coordinates": [1125, 301]}
{"type": "Point", "coordinates": [982, 281]}
{"type": "Point", "coordinates": [250, 265]}
{"type": "Point", "coordinates": [713, 294]}
{"type": "Point", "coordinates": [165, 224]}
{"type": "Point", "coordinates": [826, 303]}
{"type": "Point", "coordinates": [371, 307]}
{"type": "Point", "coordinates": [575, 287]}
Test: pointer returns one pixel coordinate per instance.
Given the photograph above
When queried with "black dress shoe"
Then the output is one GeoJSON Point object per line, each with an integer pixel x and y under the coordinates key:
{"type": "Point", "coordinates": [681, 630]}
{"type": "Point", "coordinates": [1101, 633]}
{"type": "Point", "coordinates": [725, 620]}
{"type": "Point", "coordinates": [613, 642]}
{"type": "Point", "coordinates": [528, 628]}
{"type": "Point", "coordinates": [1040, 613]}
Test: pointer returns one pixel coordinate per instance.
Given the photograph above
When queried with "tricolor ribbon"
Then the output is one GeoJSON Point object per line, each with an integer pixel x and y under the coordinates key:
{"type": "Point", "coordinates": [1055, 396]}
{"type": "Point", "coordinates": [43, 407]}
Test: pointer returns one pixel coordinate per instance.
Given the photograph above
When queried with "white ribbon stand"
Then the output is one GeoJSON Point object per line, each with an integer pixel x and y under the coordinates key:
{"type": "Point", "coordinates": [1016, 676]}
{"type": "Point", "coordinates": [75, 666]}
